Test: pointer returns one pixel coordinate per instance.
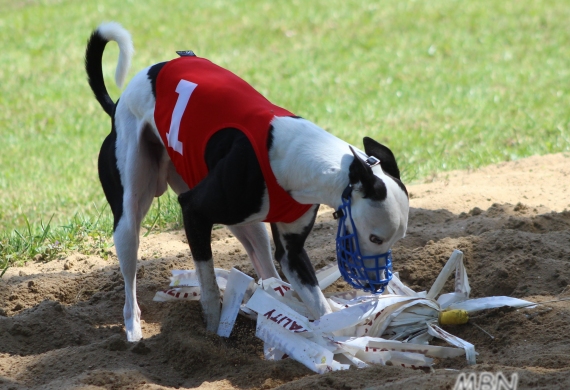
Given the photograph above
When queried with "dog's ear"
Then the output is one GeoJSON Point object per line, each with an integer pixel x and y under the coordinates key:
{"type": "Point", "coordinates": [384, 154]}
{"type": "Point", "coordinates": [364, 180]}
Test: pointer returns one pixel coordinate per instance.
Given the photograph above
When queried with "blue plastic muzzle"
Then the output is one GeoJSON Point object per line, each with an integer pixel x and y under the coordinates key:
{"type": "Point", "coordinates": [369, 273]}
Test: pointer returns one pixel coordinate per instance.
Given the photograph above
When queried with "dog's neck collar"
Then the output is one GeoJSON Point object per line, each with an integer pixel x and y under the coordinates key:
{"type": "Point", "coordinates": [372, 161]}
{"type": "Point", "coordinates": [185, 53]}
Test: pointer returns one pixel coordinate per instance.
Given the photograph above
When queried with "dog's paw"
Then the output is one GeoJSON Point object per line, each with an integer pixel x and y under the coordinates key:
{"type": "Point", "coordinates": [134, 335]}
{"type": "Point", "coordinates": [133, 330]}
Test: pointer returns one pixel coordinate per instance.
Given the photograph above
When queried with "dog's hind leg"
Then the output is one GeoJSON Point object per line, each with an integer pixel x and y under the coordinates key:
{"type": "Point", "coordinates": [289, 239]}
{"type": "Point", "coordinates": [125, 235]}
{"type": "Point", "coordinates": [138, 161]}
{"type": "Point", "coordinates": [255, 241]}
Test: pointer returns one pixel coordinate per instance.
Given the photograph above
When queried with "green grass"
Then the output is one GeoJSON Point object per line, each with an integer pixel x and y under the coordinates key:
{"type": "Point", "coordinates": [446, 84]}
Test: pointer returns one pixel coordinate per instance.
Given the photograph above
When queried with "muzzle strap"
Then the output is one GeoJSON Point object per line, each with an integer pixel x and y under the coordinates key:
{"type": "Point", "coordinates": [346, 193]}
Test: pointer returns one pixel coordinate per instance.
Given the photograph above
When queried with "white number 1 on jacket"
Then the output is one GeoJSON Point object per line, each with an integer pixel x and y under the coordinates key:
{"type": "Point", "coordinates": [184, 90]}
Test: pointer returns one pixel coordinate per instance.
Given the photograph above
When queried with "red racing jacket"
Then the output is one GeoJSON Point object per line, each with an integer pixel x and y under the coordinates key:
{"type": "Point", "coordinates": [194, 99]}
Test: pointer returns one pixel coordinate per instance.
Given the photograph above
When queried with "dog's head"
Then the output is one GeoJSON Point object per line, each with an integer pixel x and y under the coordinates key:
{"type": "Point", "coordinates": [379, 207]}
{"type": "Point", "coordinates": [379, 201]}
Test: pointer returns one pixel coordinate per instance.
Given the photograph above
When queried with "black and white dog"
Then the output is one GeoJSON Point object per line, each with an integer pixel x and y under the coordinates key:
{"type": "Point", "coordinates": [137, 162]}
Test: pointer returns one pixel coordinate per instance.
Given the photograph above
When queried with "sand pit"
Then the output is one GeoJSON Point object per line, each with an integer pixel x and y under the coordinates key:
{"type": "Point", "coordinates": [61, 322]}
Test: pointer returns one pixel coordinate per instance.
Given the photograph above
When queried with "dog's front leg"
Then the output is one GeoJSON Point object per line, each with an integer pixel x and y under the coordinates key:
{"type": "Point", "coordinates": [198, 231]}
{"type": "Point", "coordinates": [210, 293]}
{"type": "Point", "coordinates": [289, 239]}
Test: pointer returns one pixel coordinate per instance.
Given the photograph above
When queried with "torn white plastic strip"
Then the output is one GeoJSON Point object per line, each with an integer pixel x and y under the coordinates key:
{"type": "Point", "coordinates": [360, 349]}
{"type": "Point", "coordinates": [422, 338]}
{"type": "Point", "coordinates": [328, 275]}
{"type": "Point", "coordinates": [356, 314]}
{"type": "Point", "coordinates": [404, 332]}
{"type": "Point", "coordinates": [413, 314]}
{"type": "Point", "coordinates": [405, 359]}
{"type": "Point", "coordinates": [283, 292]}
{"type": "Point", "coordinates": [375, 358]}
{"type": "Point", "coordinates": [335, 366]}
{"type": "Point", "coordinates": [237, 284]}
{"type": "Point", "coordinates": [462, 288]}
{"type": "Point", "coordinates": [474, 305]}
{"type": "Point", "coordinates": [381, 322]}
{"type": "Point", "coordinates": [348, 358]}
{"type": "Point", "coordinates": [272, 353]}
{"type": "Point", "coordinates": [396, 287]}
{"type": "Point", "coordinates": [189, 278]}
{"type": "Point", "coordinates": [376, 344]}
{"type": "Point", "coordinates": [176, 294]}
{"type": "Point", "coordinates": [461, 279]}
{"type": "Point", "coordinates": [278, 312]}
{"type": "Point", "coordinates": [280, 287]}
{"type": "Point", "coordinates": [410, 359]}
{"type": "Point", "coordinates": [309, 353]}
{"type": "Point", "coordinates": [455, 260]}
{"type": "Point", "coordinates": [469, 348]}
{"type": "Point", "coordinates": [445, 300]}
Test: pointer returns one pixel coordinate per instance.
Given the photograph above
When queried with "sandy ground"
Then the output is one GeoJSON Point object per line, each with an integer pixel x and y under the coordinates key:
{"type": "Point", "coordinates": [61, 322]}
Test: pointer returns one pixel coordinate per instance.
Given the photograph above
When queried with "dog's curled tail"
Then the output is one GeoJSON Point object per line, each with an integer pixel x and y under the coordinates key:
{"type": "Point", "coordinates": [105, 33]}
